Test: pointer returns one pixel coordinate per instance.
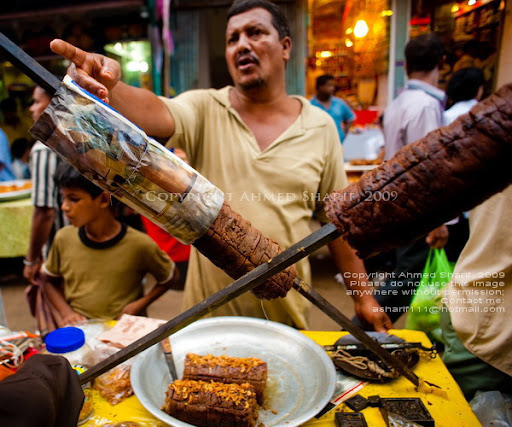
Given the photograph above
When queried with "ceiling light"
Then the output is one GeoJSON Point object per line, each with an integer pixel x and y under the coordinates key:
{"type": "Point", "coordinates": [361, 28]}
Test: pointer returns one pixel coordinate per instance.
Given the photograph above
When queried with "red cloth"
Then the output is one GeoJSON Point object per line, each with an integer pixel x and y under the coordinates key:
{"type": "Point", "coordinates": [176, 250]}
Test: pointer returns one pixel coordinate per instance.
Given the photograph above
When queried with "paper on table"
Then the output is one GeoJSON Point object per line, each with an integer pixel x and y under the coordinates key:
{"type": "Point", "coordinates": [129, 329]}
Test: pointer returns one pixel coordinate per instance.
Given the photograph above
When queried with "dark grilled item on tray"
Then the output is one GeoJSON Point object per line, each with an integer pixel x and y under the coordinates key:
{"type": "Point", "coordinates": [225, 369]}
{"type": "Point", "coordinates": [350, 419]}
{"type": "Point", "coordinates": [429, 182]}
{"type": "Point", "coordinates": [235, 246]}
{"type": "Point", "coordinates": [202, 403]}
{"type": "Point", "coordinates": [349, 356]}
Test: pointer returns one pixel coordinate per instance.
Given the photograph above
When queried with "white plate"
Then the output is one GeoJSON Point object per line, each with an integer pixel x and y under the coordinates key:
{"type": "Point", "coordinates": [16, 194]}
{"type": "Point", "coordinates": [359, 168]}
{"type": "Point", "coordinates": [301, 376]}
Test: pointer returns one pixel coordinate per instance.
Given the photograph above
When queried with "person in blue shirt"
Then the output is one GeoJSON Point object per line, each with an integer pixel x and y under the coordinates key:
{"type": "Point", "coordinates": [337, 108]}
{"type": "Point", "coordinates": [6, 173]}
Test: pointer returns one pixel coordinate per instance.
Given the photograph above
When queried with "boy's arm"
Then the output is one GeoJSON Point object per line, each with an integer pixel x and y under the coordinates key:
{"type": "Point", "coordinates": [52, 287]}
{"type": "Point", "coordinates": [138, 306]}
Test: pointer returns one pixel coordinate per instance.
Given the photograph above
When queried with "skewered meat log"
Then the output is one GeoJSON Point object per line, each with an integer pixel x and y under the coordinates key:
{"type": "Point", "coordinates": [429, 182]}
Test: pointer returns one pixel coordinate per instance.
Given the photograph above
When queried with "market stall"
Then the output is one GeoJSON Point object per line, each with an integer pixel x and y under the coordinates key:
{"type": "Point", "coordinates": [15, 214]}
{"type": "Point", "coordinates": [144, 167]}
{"type": "Point", "coordinates": [452, 409]}
{"type": "Point", "coordinates": [303, 387]}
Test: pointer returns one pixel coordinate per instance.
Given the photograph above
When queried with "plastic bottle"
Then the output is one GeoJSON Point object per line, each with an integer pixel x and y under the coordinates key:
{"type": "Point", "coordinates": [69, 342]}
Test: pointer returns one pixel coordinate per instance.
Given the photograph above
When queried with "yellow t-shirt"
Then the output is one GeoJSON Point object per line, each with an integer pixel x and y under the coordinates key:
{"type": "Point", "coordinates": [277, 189]}
{"type": "Point", "coordinates": [101, 278]}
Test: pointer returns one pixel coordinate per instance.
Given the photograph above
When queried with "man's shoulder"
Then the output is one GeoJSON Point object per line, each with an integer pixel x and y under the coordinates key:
{"type": "Point", "coordinates": [201, 96]}
{"type": "Point", "coordinates": [411, 102]}
{"type": "Point", "coordinates": [312, 113]}
{"type": "Point", "coordinates": [339, 100]}
{"type": "Point", "coordinates": [39, 147]}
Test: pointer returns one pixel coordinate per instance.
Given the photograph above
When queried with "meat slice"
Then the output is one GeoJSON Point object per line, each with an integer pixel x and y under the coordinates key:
{"type": "Point", "coordinates": [225, 369]}
{"type": "Point", "coordinates": [205, 404]}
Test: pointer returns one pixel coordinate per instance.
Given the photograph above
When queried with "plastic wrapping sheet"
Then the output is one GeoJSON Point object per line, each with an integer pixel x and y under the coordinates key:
{"type": "Point", "coordinates": [120, 158]}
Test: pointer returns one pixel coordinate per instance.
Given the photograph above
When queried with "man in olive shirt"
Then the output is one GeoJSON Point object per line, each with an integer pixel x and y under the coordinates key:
{"type": "Point", "coordinates": [277, 139]}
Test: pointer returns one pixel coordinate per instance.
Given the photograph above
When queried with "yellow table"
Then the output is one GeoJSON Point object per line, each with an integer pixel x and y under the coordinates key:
{"type": "Point", "coordinates": [450, 411]}
{"type": "Point", "coordinates": [15, 221]}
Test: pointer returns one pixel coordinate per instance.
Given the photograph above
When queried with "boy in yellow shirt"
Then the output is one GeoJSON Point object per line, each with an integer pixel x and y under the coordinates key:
{"type": "Point", "coordinates": [95, 267]}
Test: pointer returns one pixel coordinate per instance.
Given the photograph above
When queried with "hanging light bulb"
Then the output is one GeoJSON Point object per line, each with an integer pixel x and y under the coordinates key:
{"type": "Point", "coordinates": [361, 28]}
{"type": "Point", "coordinates": [349, 43]}
{"type": "Point", "coordinates": [455, 8]}
{"type": "Point", "coordinates": [471, 2]}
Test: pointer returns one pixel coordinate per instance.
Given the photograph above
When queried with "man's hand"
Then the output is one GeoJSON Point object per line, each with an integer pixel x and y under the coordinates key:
{"type": "Point", "coordinates": [30, 272]}
{"type": "Point", "coordinates": [369, 313]}
{"type": "Point", "coordinates": [94, 72]}
{"type": "Point", "coordinates": [438, 237]}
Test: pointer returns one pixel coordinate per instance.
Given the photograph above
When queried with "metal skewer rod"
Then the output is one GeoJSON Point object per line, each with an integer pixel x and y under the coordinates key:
{"type": "Point", "coordinates": [252, 279]}
{"type": "Point", "coordinates": [327, 233]}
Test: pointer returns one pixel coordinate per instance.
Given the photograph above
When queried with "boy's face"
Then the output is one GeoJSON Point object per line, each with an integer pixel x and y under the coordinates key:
{"type": "Point", "coordinates": [79, 206]}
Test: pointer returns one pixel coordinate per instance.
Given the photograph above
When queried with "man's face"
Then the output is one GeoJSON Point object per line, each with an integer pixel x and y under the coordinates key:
{"type": "Point", "coordinates": [41, 101]}
{"type": "Point", "coordinates": [327, 89]}
{"type": "Point", "coordinates": [254, 52]}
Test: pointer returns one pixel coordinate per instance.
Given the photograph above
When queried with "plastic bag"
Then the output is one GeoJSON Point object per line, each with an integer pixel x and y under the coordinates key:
{"type": "Point", "coordinates": [120, 158]}
{"type": "Point", "coordinates": [114, 385]}
{"type": "Point", "coordinates": [425, 309]}
{"type": "Point", "coordinates": [492, 408]}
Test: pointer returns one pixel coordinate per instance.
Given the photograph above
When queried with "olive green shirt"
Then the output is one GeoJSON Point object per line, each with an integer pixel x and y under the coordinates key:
{"type": "Point", "coordinates": [277, 189]}
{"type": "Point", "coordinates": [101, 278]}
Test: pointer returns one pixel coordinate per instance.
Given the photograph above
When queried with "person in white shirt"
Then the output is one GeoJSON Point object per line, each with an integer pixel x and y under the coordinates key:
{"type": "Point", "coordinates": [464, 89]}
{"type": "Point", "coordinates": [414, 113]}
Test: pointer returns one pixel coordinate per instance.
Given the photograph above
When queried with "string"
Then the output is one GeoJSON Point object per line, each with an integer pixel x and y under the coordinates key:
{"type": "Point", "coordinates": [264, 311]}
{"type": "Point", "coordinates": [135, 169]}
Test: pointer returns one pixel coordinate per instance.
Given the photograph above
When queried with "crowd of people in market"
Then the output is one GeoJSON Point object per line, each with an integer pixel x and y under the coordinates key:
{"type": "Point", "coordinates": [255, 138]}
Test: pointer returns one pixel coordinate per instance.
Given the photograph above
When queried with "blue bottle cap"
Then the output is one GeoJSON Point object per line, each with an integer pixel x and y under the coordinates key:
{"type": "Point", "coordinates": [64, 340]}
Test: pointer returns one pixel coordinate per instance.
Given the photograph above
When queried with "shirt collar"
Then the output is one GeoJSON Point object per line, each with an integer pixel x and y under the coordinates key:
{"type": "Point", "coordinates": [428, 89]}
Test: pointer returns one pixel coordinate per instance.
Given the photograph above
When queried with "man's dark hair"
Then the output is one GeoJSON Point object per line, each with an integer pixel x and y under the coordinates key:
{"type": "Point", "coordinates": [464, 84]}
{"type": "Point", "coordinates": [323, 79]}
{"type": "Point", "coordinates": [423, 53]}
{"type": "Point", "coordinates": [279, 20]}
{"type": "Point", "coordinates": [19, 147]}
{"type": "Point", "coordinates": [66, 176]}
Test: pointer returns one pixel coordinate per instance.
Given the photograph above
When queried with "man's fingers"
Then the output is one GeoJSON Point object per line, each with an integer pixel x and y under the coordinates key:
{"type": "Point", "coordinates": [68, 51]}
{"type": "Point", "coordinates": [83, 79]}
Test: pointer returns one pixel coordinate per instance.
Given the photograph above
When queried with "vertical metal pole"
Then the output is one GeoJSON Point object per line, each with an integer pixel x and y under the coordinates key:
{"type": "Point", "coordinates": [397, 41]}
